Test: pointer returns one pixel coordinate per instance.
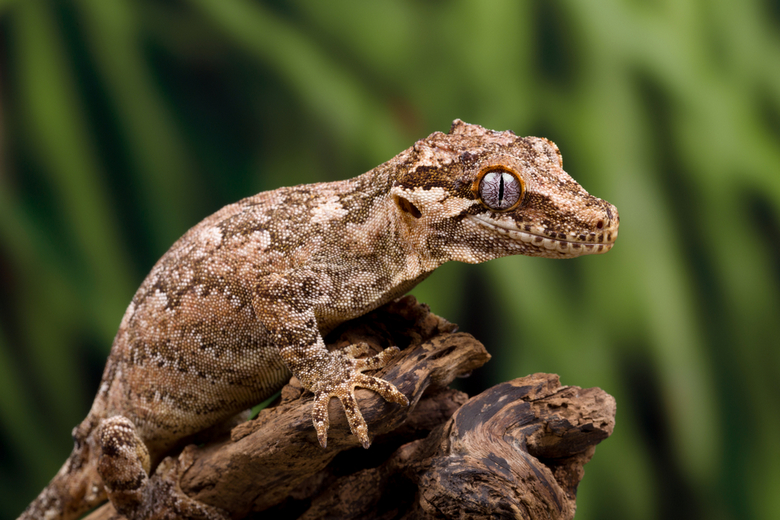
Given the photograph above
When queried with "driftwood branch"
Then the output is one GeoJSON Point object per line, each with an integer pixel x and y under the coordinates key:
{"type": "Point", "coordinates": [515, 451]}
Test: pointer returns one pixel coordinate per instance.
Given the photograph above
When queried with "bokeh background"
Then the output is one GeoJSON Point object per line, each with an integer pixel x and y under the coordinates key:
{"type": "Point", "coordinates": [123, 123]}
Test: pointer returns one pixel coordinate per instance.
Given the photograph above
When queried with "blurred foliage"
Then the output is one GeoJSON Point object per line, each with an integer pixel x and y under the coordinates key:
{"type": "Point", "coordinates": [124, 123]}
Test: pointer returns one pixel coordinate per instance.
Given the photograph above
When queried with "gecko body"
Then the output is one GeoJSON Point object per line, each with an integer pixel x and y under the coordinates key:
{"type": "Point", "coordinates": [244, 298]}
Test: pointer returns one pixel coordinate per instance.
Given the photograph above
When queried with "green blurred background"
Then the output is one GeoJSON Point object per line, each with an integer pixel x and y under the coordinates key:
{"type": "Point", "coordinates": [123, 123]}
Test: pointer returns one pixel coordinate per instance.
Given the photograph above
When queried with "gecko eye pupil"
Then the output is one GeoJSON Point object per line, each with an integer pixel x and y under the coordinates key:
{"type": "Point", "coordinates": [500, 190]}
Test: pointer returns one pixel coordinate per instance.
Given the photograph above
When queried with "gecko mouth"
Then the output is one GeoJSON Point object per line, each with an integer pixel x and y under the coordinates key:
{"type": "Point", "coordinates": [571, 245]}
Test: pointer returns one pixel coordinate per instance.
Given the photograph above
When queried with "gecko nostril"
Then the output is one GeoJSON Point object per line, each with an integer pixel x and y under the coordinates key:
{"type": "Point", "coordinates": [600, 224]}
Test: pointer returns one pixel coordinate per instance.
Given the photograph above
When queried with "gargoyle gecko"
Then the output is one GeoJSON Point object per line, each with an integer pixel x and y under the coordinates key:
{"type": "Point", "coordinates": [244, 298]}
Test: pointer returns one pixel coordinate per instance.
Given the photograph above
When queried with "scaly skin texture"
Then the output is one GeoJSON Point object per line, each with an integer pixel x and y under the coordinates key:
{"type": "Point", "coordinates": [244, 298]}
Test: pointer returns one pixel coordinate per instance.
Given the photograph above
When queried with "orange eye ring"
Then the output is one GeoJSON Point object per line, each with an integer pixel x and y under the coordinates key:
{"type": "Point", "coordinates": [499, 188]}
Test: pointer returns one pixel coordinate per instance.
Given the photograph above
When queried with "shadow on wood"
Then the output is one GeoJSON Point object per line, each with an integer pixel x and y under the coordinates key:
{"type": "Point", "coordinates": [516, 450]}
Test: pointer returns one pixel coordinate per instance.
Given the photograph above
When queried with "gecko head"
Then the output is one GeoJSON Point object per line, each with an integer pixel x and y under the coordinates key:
{"type": "Point", "coordinates": [477, 194]}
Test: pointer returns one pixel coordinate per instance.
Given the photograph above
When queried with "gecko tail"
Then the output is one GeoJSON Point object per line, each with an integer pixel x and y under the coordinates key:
{"type": "Point", "coordinates": [77, 486]}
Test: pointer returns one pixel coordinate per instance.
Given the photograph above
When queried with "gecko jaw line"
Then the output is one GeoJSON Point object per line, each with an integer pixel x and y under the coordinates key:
{"type": "Point", "coordinates": [575, 247]}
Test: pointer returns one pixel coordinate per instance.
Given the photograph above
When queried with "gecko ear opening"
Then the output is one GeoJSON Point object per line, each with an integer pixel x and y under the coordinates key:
{"type": "Point", "coordinates": [407, 207]}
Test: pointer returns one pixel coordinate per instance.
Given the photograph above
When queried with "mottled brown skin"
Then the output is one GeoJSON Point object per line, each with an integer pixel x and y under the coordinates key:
{"type": "Point", "coordinates": [244, 298]}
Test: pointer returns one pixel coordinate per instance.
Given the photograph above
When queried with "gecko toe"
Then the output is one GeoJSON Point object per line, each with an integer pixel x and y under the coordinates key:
{"type": "Point", "coordinates": [357, 424]}
{"type": "Point", "coordinates": [387, 390]}
{"type": "Point", "coordinates": [357, 349]}
{"type": "Point", "coordinates": [320, 418]}
{"type": "Point", "coordinates": [377, 361]}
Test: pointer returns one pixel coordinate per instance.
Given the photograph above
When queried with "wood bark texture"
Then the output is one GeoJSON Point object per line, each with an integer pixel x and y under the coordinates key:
{"type": "Point", "coordinates": [516, 450]}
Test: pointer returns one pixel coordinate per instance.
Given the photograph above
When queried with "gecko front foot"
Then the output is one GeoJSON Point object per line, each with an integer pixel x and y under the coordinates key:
{"type": "Point", "coordinates": [344, 375]}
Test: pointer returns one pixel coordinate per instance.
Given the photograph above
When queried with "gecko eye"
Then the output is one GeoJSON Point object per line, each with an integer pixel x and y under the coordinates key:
{"type": "Point", "coordinates": [500, 190]}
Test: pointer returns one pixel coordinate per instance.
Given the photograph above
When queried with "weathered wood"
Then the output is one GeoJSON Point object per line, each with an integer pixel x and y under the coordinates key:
{"type": "Point", "coordinates": [514, 451]}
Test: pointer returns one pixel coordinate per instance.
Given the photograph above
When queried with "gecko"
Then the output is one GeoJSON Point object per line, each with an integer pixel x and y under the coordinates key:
{"type": "Point", "coordinates": [242, 301]}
